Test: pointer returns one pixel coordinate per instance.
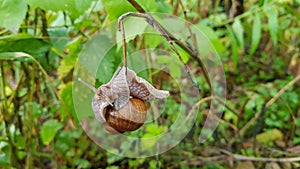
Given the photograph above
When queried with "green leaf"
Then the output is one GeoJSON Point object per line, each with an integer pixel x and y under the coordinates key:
{"type": "Point", "coordinates": [116, 8]}
{"type": "Point", "coordinates": [5, 154]}
{"type": "Point", "coordinates": [273, 24]}
{"type": "Point", "coordinates": [234, 46]}
{"type": "Point", "coordinates": [74, 8]}
{"type": "Point", "coordinates": [174, 65]}
{"type": "Point", "coordinates": [213, 38]}
{"type": "Point", "coordinates": [164, 59]}
{"type": "Point", "coordinates": [256, 34]}
{"type": "Point", "coordinates": [269, 136]}
{"type": "Point", "coordinates": [133, 27]}
{"type": "Point", "coordinates": [148, 5]}
{"type": "Point", "coordinates": [149, 140]}
{"type": "Point", "coordinates": [238, 31]}
{"type": "Point", "coordinates": [152, 40]}
{"type": "Point", "coordinates": [175, 71]}
{"type": "Point", "coordinates": [24, 43]}
{"type": "Point", "coordinates": [12, 13]}
{"type": "Point", "coordinates": [69, 61]}
{"type": "Point", "coordinates": [68, 106]}
{"type": "Point", "coordinates": [49, 130]}
{"type": "Point", "coordinates": [164, 7]}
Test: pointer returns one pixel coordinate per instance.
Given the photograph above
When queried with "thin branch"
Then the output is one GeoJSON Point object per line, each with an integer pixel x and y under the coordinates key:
{"type": "Point", "coordinates": [169, 37]}
{"type": "Point", "coordinates": [202, 160]}
{"type": "Point", "coordinates": [269, 103]}
{"type": "Point", "coordinates": [137, 6]}
{"type": "Point", "coordinates": [121, 28]}
{"type": "Point", "coordinates": [193, 37]}
{"type": "Point", "coordinates": [260, 159]}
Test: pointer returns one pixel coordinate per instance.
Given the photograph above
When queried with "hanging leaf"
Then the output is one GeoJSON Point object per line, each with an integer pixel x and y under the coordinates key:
{"type": "Point", "coordinates": [256, 34]}
{"type": "Point", "coordinates": [14, 11]}
{"type": "Point", "coordinates": [49, 130]}
{"type": "Point", "coordinates": [238, 31]}
{"type": "Point", "coordinates": [234, 46]}
{"type": "Point", "coordinates": [273, 24]}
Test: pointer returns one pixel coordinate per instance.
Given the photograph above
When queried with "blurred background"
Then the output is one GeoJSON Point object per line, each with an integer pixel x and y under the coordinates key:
{"type": "Point", "coordinates": [257, 41]}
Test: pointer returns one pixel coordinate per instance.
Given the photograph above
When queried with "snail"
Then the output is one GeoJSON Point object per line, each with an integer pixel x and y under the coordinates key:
{"type": "Point", "coordinates": [121, 104]}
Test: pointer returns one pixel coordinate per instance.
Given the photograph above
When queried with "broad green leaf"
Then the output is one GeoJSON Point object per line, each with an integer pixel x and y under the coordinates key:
{"type": "Point", "coordinates": [238, 31]}
{"type": "Point", "coordinates": [49, 130]}
{"type": "Point", "coordinates": [256, 34]}
{"type": "Point", "coordinates": [164, 7]}
{"type": "Point", "coordinates": [12, 13]}
{"type": "Point", "coordinates": [152, 40]}
{"type": "Point", "coordinates": [148, 5]}
{"type": "Point", "coordinates": [273, 24]}
{"type": "Point", "coordinates": [213, 38]}
{"type": "Point", "coordinates": [116, 8]}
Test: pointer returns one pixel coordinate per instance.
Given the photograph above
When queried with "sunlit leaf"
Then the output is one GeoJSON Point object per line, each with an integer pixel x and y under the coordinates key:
{"type": "Point", "coordinates": [256, 34]}
{"type": "Point", "coordinates": [12, 13]}
{"type": "Point", "coordinates": [273, 24]}
{"type": "Point", "coordinates": [269, 136]}
{"type": "Point", "coordinates": [153, 40]}
{"type": "Point", "coordinates": [238, 31]}
{"type": "Point", "coordinates": [68, 106]}
{"type": "Point", "coordinates": [49, 130]}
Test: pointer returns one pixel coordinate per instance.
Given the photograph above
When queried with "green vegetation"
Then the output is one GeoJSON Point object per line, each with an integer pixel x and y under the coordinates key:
{"type": "Point", "coordinates": [257, 42]}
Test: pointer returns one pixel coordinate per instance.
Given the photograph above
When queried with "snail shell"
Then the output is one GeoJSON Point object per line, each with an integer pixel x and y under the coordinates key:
{"type": "Point", "coordinates": [120, 104]}
{"type": "Point", "coordinates": [128, 118]}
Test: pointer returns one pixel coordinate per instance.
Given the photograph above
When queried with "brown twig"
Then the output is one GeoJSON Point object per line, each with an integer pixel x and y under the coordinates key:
{"type": "Point", "coordinates": [163, 32]}
{"type": "Point", "coordinates": [137, 6]}
{"type": "Point", "coordinates": [269, 103]}
{"type": "Point", "coordinates": [193, 37]}
{"type": "Point", "coordinates": [121, 28]}
{"type": "Point", "coordinates": [260, 159]}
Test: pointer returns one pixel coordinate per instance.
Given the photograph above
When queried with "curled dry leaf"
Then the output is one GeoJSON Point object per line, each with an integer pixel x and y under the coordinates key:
{"type": "Point", "coordinates": [123, 86]}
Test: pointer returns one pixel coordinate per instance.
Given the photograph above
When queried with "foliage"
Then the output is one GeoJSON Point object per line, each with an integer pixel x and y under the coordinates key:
{"type": "Point", "coordinates": [39, 46]}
